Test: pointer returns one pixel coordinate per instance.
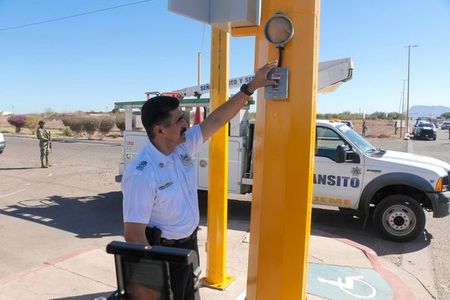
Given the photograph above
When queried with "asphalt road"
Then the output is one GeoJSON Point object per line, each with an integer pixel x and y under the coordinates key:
{"type": "Point", "coordinates": [47, 213]}
{"type": "Point", "coordinates": [438, 229]}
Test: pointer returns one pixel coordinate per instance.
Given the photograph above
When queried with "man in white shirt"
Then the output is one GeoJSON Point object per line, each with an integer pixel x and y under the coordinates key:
{"type": "Point", "coordinates": [159, 187]}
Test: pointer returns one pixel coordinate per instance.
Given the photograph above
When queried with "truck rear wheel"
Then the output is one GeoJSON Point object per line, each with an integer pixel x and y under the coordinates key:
{"type": "Point", "coordinates": [399, 218]}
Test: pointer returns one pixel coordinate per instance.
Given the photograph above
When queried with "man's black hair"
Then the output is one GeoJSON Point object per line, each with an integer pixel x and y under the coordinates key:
{"type": "Point", "coordinates": [156, 111]}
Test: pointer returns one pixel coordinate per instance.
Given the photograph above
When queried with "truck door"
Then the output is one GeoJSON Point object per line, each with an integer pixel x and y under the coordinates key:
{"type": "Point", "coordinates": [235, 165]}
{"type": "Point", "coordinates": [133, 143]}
{"type": "Point", "coordinates": [336, 183]}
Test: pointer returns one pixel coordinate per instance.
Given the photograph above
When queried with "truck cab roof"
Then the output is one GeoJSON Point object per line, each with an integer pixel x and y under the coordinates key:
{"type": "Point", "coordinates": [331, 123]}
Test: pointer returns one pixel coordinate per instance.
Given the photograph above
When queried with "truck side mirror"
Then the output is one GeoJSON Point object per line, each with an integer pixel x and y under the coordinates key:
{"type": "Point", "coordinates": [343, 155]}
{"type": "Point", "coordinates": [340, 154]}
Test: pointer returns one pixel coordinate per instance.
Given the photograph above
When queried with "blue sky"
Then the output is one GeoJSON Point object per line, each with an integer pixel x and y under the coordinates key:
{"type": "Point", "coordinates": [91, 61]}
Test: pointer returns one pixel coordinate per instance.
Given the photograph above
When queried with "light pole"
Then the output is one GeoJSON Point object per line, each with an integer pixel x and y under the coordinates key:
{"type": "Point", "coordinates": [402, 109]}
{"type": "Point", "coordinates": [407, 95]}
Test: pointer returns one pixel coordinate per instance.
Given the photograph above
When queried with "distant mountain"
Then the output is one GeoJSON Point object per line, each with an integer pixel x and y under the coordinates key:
{"type": "Point", "coordinates": [427, 111]}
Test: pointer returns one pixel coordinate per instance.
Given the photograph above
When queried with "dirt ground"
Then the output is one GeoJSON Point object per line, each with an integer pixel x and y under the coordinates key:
{"type": "Point", "coordinates": [378, 128]}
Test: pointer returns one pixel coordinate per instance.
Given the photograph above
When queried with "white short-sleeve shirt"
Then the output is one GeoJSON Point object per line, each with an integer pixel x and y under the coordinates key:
{"type": "Point", "coordinates": [160, 190]}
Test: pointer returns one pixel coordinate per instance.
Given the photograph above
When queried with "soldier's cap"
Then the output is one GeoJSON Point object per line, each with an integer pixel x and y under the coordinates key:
{"type": "Point", "coordinates": [41, 122]}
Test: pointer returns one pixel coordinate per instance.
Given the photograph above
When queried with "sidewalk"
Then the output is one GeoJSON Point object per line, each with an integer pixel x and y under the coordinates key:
{"type": "Point", "coordinates": [349, 271]}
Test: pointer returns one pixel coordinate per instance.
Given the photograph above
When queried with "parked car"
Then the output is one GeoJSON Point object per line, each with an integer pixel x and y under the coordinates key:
{"type": "Point", "coordinates": [424, 130]}
{"type": "Point", "coordinates": [2, 143]}
{"type": "Point", "coordinates": [445, 125]}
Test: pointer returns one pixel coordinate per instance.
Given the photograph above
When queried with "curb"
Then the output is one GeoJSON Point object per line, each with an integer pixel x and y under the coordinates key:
{"type": "Point", "coordinates": [400, 289]}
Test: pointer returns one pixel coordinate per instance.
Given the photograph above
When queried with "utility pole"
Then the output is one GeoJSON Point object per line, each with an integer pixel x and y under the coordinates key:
{"type": "Point", "coordinates": [407, 95]}
{"type": "Point", "coordinates": [402, 110]}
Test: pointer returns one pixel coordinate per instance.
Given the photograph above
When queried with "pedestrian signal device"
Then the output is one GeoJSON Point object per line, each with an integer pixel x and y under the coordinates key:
{"type": "Point", "coordinates": [280, 91]}
{"type": "Point", "coordinates": [279, 30]}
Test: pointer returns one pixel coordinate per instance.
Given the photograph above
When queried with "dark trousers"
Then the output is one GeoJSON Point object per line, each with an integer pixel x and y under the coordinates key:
{"type": "Point", "coordinates": [181, 278]}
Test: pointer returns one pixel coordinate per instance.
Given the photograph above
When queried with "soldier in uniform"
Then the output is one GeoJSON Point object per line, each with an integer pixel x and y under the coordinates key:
{"type": "Point", "coordinates": [364, 128]}
{"type": "Point", "coordinates": [44, 138]}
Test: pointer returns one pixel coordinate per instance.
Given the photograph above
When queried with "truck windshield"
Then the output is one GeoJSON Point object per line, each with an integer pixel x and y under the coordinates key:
{"type": "Point", "coordinates": [358, 140]}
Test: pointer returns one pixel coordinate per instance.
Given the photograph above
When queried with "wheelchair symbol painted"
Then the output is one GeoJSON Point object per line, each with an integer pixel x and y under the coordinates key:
{"type": "Point", "coordinates": [348, 285]}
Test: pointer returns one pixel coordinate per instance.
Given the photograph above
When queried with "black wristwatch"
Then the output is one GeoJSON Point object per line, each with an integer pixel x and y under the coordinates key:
{"type": "Point", "coordinates": [244, 89]}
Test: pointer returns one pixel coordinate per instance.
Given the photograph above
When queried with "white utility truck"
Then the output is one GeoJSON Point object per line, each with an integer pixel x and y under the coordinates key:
{"type": "Point", "coordinates": [391, 188]}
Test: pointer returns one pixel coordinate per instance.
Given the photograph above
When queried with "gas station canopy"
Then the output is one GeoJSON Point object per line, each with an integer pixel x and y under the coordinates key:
{"type": "Point", "coordinates": [224, 14]}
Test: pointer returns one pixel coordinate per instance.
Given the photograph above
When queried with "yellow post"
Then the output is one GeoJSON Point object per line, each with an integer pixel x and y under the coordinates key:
{"type": "Point", "coordinates": [283, 165]}
{"type": "Point", "coordinates": [216, 275]}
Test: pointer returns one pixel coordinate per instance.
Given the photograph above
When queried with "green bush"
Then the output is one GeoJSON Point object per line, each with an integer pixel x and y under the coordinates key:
{"type": "Point", "coordinates": [90, 125]}
{"type": "Point", "coordinates": [120, 121]}
{"type": "Point", "coordinates": [394, 116]}
{"type": "Point", "coordinates": [67, 131]}
{"type": "Point", "coordinates": [75, 123]}
{"type": "Point", "coordinates": [32, 122]}
{"type": "Point", "coordinates": [446, 115]}
{"type": "Point", "coordinates": [106, 124]}
{"type": "Point", "coordinates": [115, 135]}
{"type": "Point", "coordinates": [378, 115]}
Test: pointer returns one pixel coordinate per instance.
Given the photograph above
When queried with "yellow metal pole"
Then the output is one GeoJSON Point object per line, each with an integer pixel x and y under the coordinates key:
{"type": "Point", "coordinates": [284, 149]}
{"type": "Point", "coordinates": [216, 275]}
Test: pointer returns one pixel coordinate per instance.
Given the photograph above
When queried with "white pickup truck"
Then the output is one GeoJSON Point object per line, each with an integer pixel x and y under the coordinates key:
{"type": "Point", "coordinates": [392, 187]}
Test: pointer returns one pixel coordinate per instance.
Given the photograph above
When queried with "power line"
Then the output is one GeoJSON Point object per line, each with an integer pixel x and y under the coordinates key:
{"type": "Point", "coordinates": [72, 16]}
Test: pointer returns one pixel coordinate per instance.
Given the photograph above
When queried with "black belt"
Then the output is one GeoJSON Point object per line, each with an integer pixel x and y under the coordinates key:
{"type": "Point", "coordinates": [179, 241]}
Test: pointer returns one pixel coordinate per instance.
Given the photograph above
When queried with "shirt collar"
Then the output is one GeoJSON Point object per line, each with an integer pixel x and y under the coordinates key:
{"type": "Point", "coordinates": [157, 155]}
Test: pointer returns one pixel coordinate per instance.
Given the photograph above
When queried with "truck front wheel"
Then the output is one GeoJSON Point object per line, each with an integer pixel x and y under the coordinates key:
{"type": "Point", "coordinates": [399, 218]}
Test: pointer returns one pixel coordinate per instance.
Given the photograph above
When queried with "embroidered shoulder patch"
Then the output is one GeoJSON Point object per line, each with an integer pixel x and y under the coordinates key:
{"type": "Point", "coordinates": [186, 159]}
{"type": "Point", "coordinates": [141, 165]}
